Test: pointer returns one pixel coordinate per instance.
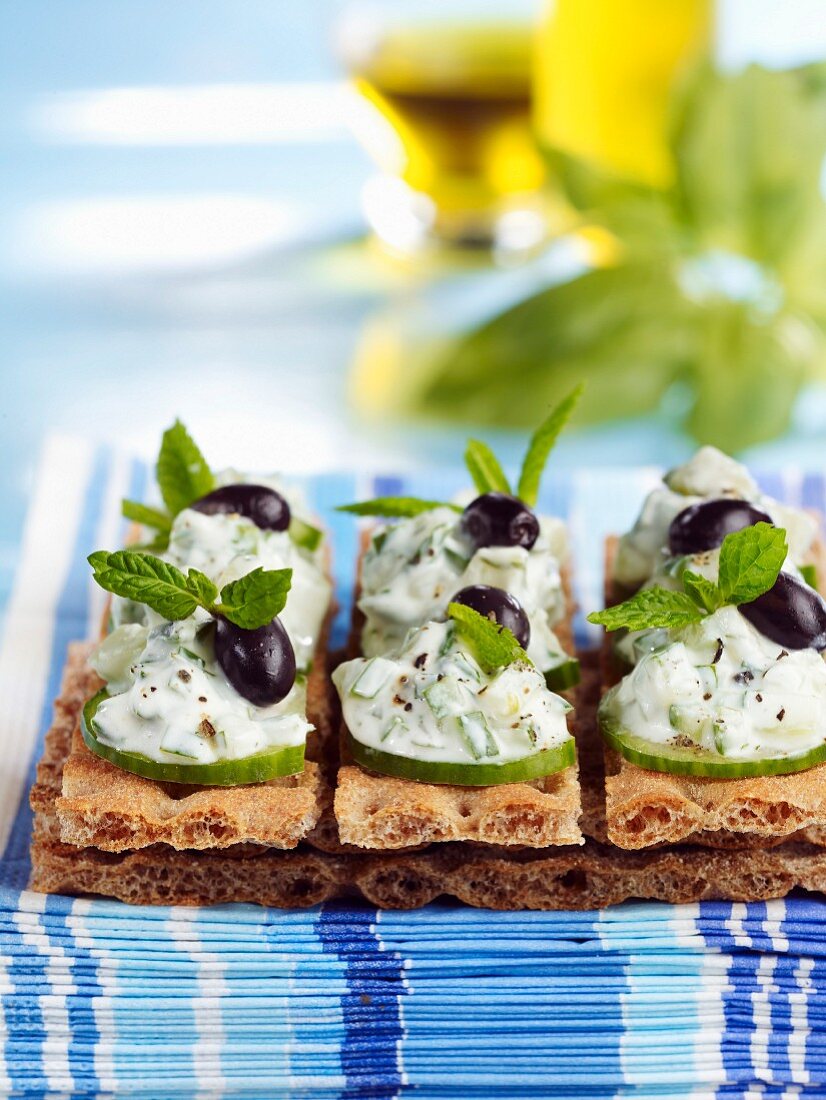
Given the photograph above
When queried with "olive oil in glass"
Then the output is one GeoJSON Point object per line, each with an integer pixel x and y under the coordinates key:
{"type": "Point", "coordinates": [456, 144]}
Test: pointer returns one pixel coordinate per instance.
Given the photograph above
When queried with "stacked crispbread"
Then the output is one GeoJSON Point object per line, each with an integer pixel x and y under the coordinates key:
{"type": "Point", "coordinates": [645, 809]}
{"type": "Point", "coordinates": [576, 877]}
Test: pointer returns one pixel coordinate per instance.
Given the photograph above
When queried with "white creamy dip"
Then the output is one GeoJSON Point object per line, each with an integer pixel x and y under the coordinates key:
{"type": "Point", "coordinates": [709, 475]}
{"type": "Point", "coordinates": [727, 688]}
{"type": "Point", "coordinates": [429, 700]}
{"type": "Point", "coordinates": [414, 567]}
{"type": "Point", "coordinates": [225, 547]}
{"type": "Point", "coordinates": [171, 702]}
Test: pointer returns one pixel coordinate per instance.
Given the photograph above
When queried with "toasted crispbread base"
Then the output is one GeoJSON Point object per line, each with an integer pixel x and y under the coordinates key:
{"type": "Point", "coordinates": [103, 806]}
{"type": "Point", "coordinates": [645, 808]}
{"type": "Point", "coordinates": [592, 876]}
{"type": "Point", "coordinates": [382, 813]}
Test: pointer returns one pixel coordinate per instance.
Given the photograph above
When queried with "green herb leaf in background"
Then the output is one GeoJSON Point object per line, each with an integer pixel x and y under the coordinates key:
{"type": "Point", "coordinates": [394, 507]}
{"type": "Point", "coordinates": [713, 292]}
{"type": "Point", "coordinates": [542, 443]}
{"type": "Point", "coordinates": [492, 645]}
{"type": "Point", "coordinates": [483, 466]}
{"type": "Point", "coordinates": [182, 471]}
{"type": "Point", "coordinates": [143, 514]}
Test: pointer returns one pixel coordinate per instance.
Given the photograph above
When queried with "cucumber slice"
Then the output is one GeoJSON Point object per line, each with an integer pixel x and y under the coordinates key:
{"type": "Point", "coordinates": [535, 766]}
{"type": "Point", "coordinates": [809, 575]}
{"type": "Point", "coordinates": [224, 773]}
{"type": "Point", "coordinates": [562, 676]}
{"type": "Point", "coordinates": [688, 760]}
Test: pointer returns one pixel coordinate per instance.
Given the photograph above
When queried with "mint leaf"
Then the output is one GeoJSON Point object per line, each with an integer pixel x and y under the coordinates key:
{"type": "Point", "coordinates": [255, 599]}
{"type": "Point", "coordinates": [483, 466]}
{"type": "Point", "coordinates": [750, 561]}
{"type": "Point", "coordinates": [143, 514]}
{"type": "Point", "coordinates": [705, 593]}
{"type": "Point", "coordinates": [649, 608]}
{"type": "Point", "coordinates": [146, 579]}
{"type": "Point", "coordinates": [250, 602]}
{"type": "Point", "coordinates": [304, 534]}
{"type": "Point", "coordinates": [202, 588]}
{"type": "Point", "coordinates": [394, 507]}
{"type": "Point", "coordinates": [542, 443]}
{"type": "Point", "coordinates": [182, 471]}
{"type": "Point", "coordinates": [492, 645]}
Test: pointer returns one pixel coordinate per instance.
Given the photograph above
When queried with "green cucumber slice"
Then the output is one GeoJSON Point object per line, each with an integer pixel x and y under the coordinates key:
{"type": "Point", "coordinates": [563, 676]}
{"type": "Point", "coordinates": [687, 760]}
{"type": "Point", "coordinates": [463, 775]}
{"type": "Point", "coordinates": [809, 574]}
{"type": "Point", "coordinates": [225, 773]}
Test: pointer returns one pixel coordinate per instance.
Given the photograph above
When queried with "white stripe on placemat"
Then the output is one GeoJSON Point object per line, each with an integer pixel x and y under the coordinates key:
{"type": "Point", "coordinates": [206, 1009]}
{"type": "Point", "coordinates": [45, 557]}
{"type": "Point", "coordinates": [762, 1034]}
{"type": "Point", "coordinates": [800, 1030]}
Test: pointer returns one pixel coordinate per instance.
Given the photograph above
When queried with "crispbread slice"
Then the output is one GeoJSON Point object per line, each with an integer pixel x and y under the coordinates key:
{"type": "Point", "coordinates": [383, 813]}
{"type": "Point", "coordinates": [101, 805]}
{"type": "Point", "coordinates": [645, 808]}
{"type": "Point", "coordinates": [587, 877]}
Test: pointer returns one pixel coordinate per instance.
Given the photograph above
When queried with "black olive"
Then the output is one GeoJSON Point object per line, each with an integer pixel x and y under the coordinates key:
{"type": "Point", "coordinates": [504, 607]}
{"type": "Point", "coordinates": [703, 526]}
{"type": "Point", "coordinates": [260, 664]}
{"type": "Point", "coordinates": [790, 613]}
{"type": "Point", "coordinates": [497, 519]}
{"type": "Point", "coordinates": [266, 508]}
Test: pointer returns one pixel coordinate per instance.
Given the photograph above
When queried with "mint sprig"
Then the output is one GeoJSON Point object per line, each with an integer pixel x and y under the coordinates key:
{"type": "Point", "coordinates": [492, 645]}
{"type": "Point", "coordinates": [542, 443]}
{"type": "Point", "coordinates": [394, 507]}
{"type": "Point", "coordinates": [750, 561]}
{"type": "Point", "coordinates": [485, 470]}
{"type": "Point", "coordinates": [250, 602]}
{"type": "Point", "coordinates": [182, 471]}
{"type": "Point", "coordinates": [483, 466]}
{"type": "Point", "coordinates": [184, 476]}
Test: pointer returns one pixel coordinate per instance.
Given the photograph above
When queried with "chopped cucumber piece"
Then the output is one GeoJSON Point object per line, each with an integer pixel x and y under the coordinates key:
{"type": "Point", "coordinates": [684, 720]}
{"type": "Point", "coordinates": [465, 663]}
{"type": "Point", "coordinates": [374, 676]}
{"type": "Point", "coordinates": [562, 676]}
{"type": "Point", "coordinates": [445, 697]}
{"type": "Point", "coordinates": [809, 574]}
{"type": "Point", "coordinates": [478, 736]}
{"type": "Point", "coordinates": [530, 767]}
{"type": "Point", "coordinates": [284, 760]}
{"type": "Point", "coordinates": [178, 743]}
{"type": "Point", "coordinates": [694, 760]}
{"type": "Point", "coordinates": [398, 724]}
{"type": "Point", "coordinates": [304, 534]}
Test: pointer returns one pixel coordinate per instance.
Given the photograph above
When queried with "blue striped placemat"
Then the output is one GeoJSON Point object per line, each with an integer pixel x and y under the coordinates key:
{"type": "Point", "coordinates": [709, 1000]}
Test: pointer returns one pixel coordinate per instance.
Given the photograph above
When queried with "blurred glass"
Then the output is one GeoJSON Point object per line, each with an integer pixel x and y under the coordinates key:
{"type": "Point", "coordinates": [445, 108]}
{"type": "Point", "coordinates": [605, 71]}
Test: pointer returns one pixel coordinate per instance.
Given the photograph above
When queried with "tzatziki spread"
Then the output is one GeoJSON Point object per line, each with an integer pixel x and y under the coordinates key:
{"type": "Point", "coordinates": [723, 686]}
{"type": "Point", "coordinates": [430, 701]}
{"type": "Point", "coordinates": [710, 474]}
{"type": "Point", "coordinates": [171, 703]}
{"type": "Point", "coordinates": [414, 567]}
{"type": "Point", "coordinates": [225, 547]}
